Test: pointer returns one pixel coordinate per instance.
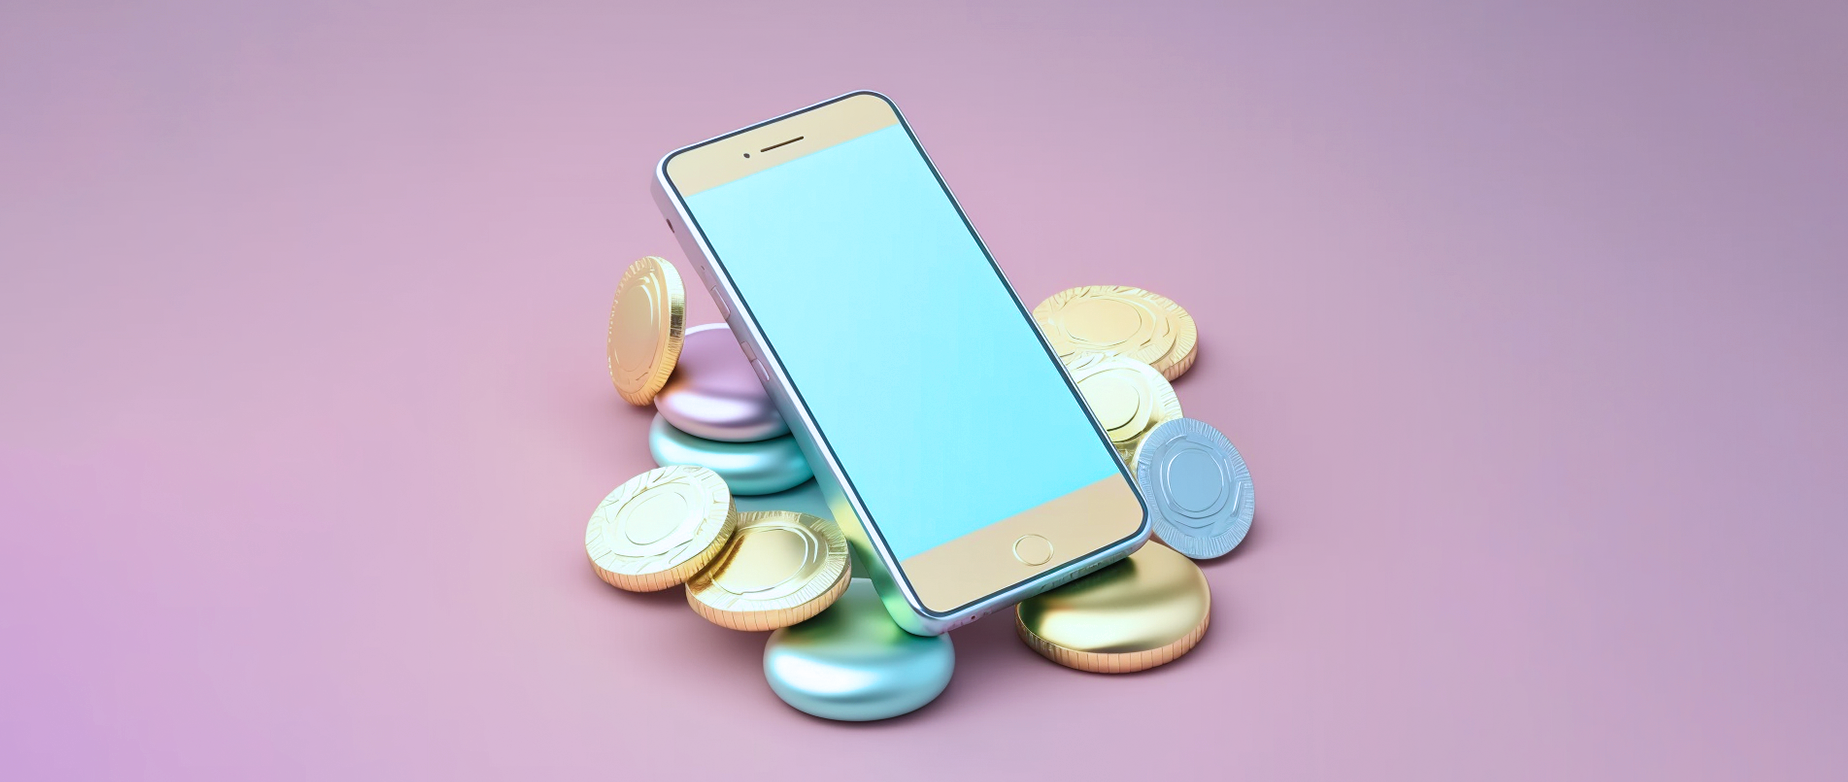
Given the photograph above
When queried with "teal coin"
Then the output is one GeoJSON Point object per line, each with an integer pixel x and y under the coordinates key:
{"type": "Point", "coordinates": [762, 467]}
{"type": "Point", "coordinates": [1197, 486]}
{"type": "Point", "coordinates": [851, 662]}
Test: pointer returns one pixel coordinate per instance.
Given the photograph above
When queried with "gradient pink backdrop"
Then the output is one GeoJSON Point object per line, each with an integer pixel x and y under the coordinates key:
{"type": "Point", "coordinates": [1529, 318]}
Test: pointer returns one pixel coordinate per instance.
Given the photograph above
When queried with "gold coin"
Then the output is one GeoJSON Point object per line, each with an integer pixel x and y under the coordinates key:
{"type": "Point", "coordinates": [780, 568]}
{"type": "Point", "coordinates": [1144, 611]}
{"type": "Point", "coordinates": [1128, 397]}
{"type": "Point", "coordinates": [1123, 321]}
{"type": "Point", "coordinates": [648, 319]}
{"type": "Point", "coordinates": [659, 528]}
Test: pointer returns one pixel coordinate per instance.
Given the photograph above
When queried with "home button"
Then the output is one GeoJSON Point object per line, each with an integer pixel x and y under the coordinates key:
{"type": "Point", "coordinates": [1032, 550]}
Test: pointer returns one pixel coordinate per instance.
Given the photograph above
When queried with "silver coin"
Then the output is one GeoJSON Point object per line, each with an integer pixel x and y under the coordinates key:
{"type": "Point", "coordinates": [1197, 486]}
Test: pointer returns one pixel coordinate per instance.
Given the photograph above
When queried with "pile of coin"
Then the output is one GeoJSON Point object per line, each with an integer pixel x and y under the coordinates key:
{"type": "Point", "coordinates": [746, 571]}
{"type": "Point", "coordinates": [718, 436]}
{"type": "Point", "coordinates": [1122, 346]}
{"type": "Point", "coordinates": [710, 408]}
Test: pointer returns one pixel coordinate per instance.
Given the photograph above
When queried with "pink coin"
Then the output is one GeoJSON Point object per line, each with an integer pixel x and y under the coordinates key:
{"type": "Point", "coordinates": [714, 394]}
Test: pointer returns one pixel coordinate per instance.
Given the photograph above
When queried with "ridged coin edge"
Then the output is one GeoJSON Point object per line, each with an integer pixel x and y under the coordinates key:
{"type": "Point", "coordinates": [1115, 662]}
{"type": "Point", "coordinates": [812, 599]}
{"type": "Point", "coordinates": [667, 350]}
{"type": "Point", "coordinates": [1202, 547]}
{"type": "Point", "coordinates": [659, 580]}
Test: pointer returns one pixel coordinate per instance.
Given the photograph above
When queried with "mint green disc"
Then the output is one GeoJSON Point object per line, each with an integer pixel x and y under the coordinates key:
{"type": "Point", "coordinates": [852, 662]}
{"type": "Point", "coordinates": [761, 467]}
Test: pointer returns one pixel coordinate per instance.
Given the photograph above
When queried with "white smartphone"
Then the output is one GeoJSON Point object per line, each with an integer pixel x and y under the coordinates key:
{"type": "Point", "coordinates": [952, 447]}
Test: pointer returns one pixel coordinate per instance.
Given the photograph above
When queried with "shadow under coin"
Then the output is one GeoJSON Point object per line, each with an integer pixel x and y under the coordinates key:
{"type": "Point", "coordinates": [673, 598]}
{"type": "Point", "coordinates": [746, 647]}
{"type": "Point", "coordinates": [1254, 538]}
{"type": "Point", "coordinates": [804, 498]}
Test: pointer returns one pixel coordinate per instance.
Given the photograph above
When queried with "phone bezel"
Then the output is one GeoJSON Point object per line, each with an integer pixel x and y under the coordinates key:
{"type": "Point", "coordinates": [719, 278]}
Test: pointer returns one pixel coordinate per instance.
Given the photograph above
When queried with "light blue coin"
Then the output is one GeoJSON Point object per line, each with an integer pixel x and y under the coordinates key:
{"type": "Point", "coordinates": [1197, 487]}
{"type": "Point", "coordinates": [852, 662]}
{"type": "Point", "coordinates": [762, 467]}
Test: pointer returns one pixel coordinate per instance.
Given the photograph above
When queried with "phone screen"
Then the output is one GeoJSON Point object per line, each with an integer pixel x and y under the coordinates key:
{"type": "Point", "coordinates": [921, 371]}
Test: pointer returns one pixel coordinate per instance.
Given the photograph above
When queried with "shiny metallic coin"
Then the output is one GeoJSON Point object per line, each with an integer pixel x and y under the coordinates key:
{"type": "Point", "coordinates": [713, 392]}
{"type": "Point", "coordinates": [1122, 321]}
{"type": "Point", "coordinates": [647, 321]}
{"type": "Point", "coordinates": [659, 528]}
{"type": "Point", "coordinates": [780, 568]}
{"type": "Point", "coordinates": [1144, 611]}
{"type": "Point", "coordinates": [1128, 397]}
{"type": "Point", "coordinates": [852, 662]}
{"type": "Point", "coordinates": [762, 467]}
{"type": "Point", "coordinates": [1197, 486]}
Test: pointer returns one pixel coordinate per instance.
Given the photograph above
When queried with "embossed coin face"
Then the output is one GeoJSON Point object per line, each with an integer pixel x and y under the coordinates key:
{"type": "Point", "coordinates": [780, 568]}
{"type": "Point", "coordinates": [659, 528]}
{"type": "Point", "coordinates": [1120, 321]}
{"type": "Point", "coordinates": [1197, 486]}
{"type": "Point", "coordinates": [1128, 397]}
{"type": "Point", "coordinates": [648, 319]}
{"type": "Point", "coordinates": [1144, 611]}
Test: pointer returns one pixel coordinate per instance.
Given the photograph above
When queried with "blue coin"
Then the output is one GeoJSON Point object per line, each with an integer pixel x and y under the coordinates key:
{"type": "Point", "coordinates": [852, 662]}
{"type": "Point", "coordinates": [760, 467]}
{"type": "Point", "coordinates": [1197, 487]}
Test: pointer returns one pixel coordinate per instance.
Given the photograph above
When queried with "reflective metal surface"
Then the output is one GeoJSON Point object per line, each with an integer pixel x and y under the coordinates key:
{"type": "Point", "coordinates": [659, 528]}
{"type": "Point", "coordinates": [761, 467]}
{"type": "Point", "coordinates": [648, 318]}
{"type": "Point", "coordinates": [780, 568]}
{"type": "Point", "coordinates": [852, 662]}
{"type": "Point", "coordinates": [713, 392]}
{"type": "Point", "coordinates": [1123, 321]}
{"type": "Point", "coordinates": [1128, 397]}
{"type": "Point", "coordinates": [1199, 491]}
{"type": "Point", "coordinates": [1142, 612]}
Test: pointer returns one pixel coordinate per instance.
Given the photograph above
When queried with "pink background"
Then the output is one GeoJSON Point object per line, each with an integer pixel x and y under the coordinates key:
{"type": "Point", "coordinates": [1530, 321]}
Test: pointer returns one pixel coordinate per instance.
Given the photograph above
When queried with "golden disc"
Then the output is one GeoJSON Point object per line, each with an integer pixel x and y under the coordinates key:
{"type": "Point", "coordinates": [1129, 398]}
{"type": "Point", "coordinates": [780, 568]}
{"type": "Point", "coordinates": [1144, 611]}
{"type": "Point", "coordinates": [648, 319]}
{"type": "Point", "coordinates": [659, 528]}
{"type": "Point", "coordinates": [1123, 321]}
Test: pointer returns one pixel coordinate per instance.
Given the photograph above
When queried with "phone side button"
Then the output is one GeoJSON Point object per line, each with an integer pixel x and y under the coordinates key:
{"type": "Point", "coordinates": [762, 374]}
{"type": "Point", "coordinates": [719, 299]}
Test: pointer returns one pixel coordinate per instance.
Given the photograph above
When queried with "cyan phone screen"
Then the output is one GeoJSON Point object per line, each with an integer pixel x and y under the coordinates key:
{"type": "Point", "coordinates": [922, 374]}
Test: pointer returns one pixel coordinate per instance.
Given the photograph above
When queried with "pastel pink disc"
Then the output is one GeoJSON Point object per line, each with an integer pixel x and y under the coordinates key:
{"type": "Point", "coordinates": [714, 394]}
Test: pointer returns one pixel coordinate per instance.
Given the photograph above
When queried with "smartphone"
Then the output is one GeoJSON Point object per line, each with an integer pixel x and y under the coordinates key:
{"type": "Point", "coordinates": [951, 445]}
